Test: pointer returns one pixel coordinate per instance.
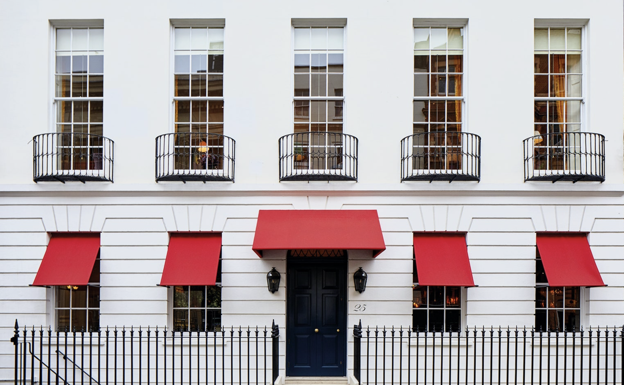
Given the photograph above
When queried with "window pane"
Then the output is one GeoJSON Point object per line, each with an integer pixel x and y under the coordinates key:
{"type": "Point", "coordinates": [453, 296]}
{"type": "Point", "coordinates": [420, 111]}
{"type": "Point", "coordinates": [62, 320]}
{"type": "Point", "coordinates": [574, 38]}
{"type": "Point", "coordinates": [94, 296]}
{"type": "Point", "coordinates": [182, 63]}
{"type": "Point", "coordinates": [541, 39]}
{"type": "Point", "coordinates": [79, 320]}
{"type": "Point", "coordinates": [198, 85]}
{"type": "Point", "coordinates": [197, 321]}
{"type": "Point", "coordinates": [79, 64]}
{"type": "Point", "coordinates": [557, 39]}
{"type": "Point", "coordinates": [318, 38]}
{"type": "Point", "coordinates": [421, 85]}
{"type": "Point", "coordinates": [302, 85]}
{"type": "Point", "coordinates": [215, 112]}
{"type": "Point", "coordinates": [419, 321]}
{"type": "Point", "coordinates": [436, 320]}
{"type": "Point", "coordinates": [80, 39]}
{"type": "Point", "coordinates": [94, 320]}
{"type": "Point", "coordinates": [318, 113]}
{"type": "Point", "coordinates": [302, 38]}
{"type": "Point", "coordinates": [302, 62]}
{"type": "Point", "coordinates": [81, 112]}
{"type": "Point", "coordinates": [541, 85]}
{"type": "Point", "coordinates": [63, 63]}
{"type": "Point", "coordinates": [62, 86]}
{"type": "Point", "coordinates": [215, 63]}
{"type": "Point", "coordinates": [180, 296]}
{"type": "Point", "coordinates": [335, 38]}
{"type": "Point", "coordinates": [438, 38]}
{"type": "Point", "coordinates": [335, 62]}
{"type": "Point", "coordinates": [182, 38]}
{"type": "Point", "coordinates": [96, 85]}
{"type": "Point", "coordinates": [197, 296]}
{"type": "Point", "coordinates": [198, 63]}
{"type": "Point", "coordinates": [199, 38]}
{"type": "Point", "coordinates": [96, 39]}
{"type": "Point", "coordinates": [555, 297]}
{"type": "Point", "coordinates": [436, 296]}
{"type": "Point", "coordinates": [319, 85]}
{"type": "Point", "coordinates": [183, 111]}
{"type": "Point", "coordinates": [79, 296]}
{"type": "Point", "coordinates": [181, 85]}
{"type": "Point", "coordinates": [180, 320]}
{"type": "Point", "coordinates": [96, 64]}
{"type": "Point", "coordinates": [540, 297]}
{"type": "Point", "coordinates": [421, 38]}
{"type": "Point", "coordinates": [420, 297]}
{"type": "Point", "coordinates": [540, 320]}
{"type": "Point", "coordinates": [63, 39]}
{"type": "Point", "coordinates": [555, 320]}
{"type": "Point", "coordinates": [213, 297]}
{"type": "Point", "coordinates": [572, 297]}
{"type": "Point", "coordinates": [215, 36]}
{"type": "Point", "coordinates": [456, 40]}
{"type": "Point", "coordinates": [319, 62]}
{"type": "Point", "coordinates": [574, 62]}
{"type": "Point", "coordinates": [572, 320]}
{"type": "Point", "coordinates": [96, 111]}
{"type": "Point", "coordinates": [540, 63]}
{"type": "Point", "coordinates": [79, 86]}
{"type": "Point", "coordinates": [62, 296]}
{"type": "Point", "coordinates": [453, 320]}
{"type": "Point", "coordinates": [213, 320]}
{"type": "Point", "coordinates": [215, 85]}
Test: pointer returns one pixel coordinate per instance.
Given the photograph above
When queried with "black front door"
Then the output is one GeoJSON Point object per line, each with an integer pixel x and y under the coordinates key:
{"type": "Point", "coordinates": [316, 326]}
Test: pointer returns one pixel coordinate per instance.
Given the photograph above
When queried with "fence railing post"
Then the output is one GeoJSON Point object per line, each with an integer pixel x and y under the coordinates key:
{"type": "Point", "coordinates": [357, 354]}
{"type": "Point", "coordinates": [15, 341]}
{"type": "Point", "coordinates": [275, 352]}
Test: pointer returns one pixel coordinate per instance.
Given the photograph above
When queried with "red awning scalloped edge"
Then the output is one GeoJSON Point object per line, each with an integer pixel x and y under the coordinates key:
{"type": "Point", "coordinates": [318, 230]}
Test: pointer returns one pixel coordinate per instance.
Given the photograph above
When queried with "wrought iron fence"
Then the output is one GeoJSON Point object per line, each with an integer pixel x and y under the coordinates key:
{"type": "Point", "coordinates": [187, 156]}
{"type": "Point", "coordinates": [488, 356]}
{"type": "Point", "coordinates": [231, 356]}
{"type": "Point", "coordinates": [441, 155]}
{"type": "Point", "coordinates": [309, 156]}
{"type": "Point", "coordinates": [568, 156]}
{"type": "Point", "coordinates": [66, 156]}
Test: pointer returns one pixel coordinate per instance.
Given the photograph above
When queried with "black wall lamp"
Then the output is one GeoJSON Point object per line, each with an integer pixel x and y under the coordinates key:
{"type": "Point", "coordinates": [359, 280]}
{"type": "Point", "coordinates": [273, 280]}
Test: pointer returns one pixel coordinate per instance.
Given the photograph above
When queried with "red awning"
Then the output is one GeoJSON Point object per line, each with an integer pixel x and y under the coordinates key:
{"type": "Point", "coordinates": [68, 260]}
{"type": "Point", "coordinates": [318, 230]}
{"type": "Point", "coordinates": [192, 259]}
{"type": "Point", "coordinates": [442, 259]}
{"type": "Point", "coordinates": [568, 260]}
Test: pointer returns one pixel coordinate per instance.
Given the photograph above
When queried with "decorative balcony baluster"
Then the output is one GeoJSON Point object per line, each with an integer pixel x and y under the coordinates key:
{"type": "Point", "coordinates": [72, 157]}
{"type": "Point", "coordinates": [565, 156]}
{"type": "Point", "coordinates": [306, 156]}
{"type": "Point", "coordinates": [195, 157]}
{"type": "Point", "coordinates": [441, 155]}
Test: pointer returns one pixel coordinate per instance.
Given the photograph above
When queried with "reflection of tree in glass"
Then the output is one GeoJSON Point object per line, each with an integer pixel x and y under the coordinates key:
{"type": "Point", "coordinates": [213, 298]}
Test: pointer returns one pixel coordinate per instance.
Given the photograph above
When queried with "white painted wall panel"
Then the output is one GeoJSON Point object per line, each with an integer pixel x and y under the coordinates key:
{"type": "Point", "coordinates": [13, 225]}
{"type": "Point", "coordinates": [500, 239]}
{"type": "Point", "coordinates": [515, 225]}
{"type": "Point", "coordinates": [22, 252]}
{"type": "Point", "coordinates": [134, 239]}
{"type": "Point", "coordinates": [143, 225]}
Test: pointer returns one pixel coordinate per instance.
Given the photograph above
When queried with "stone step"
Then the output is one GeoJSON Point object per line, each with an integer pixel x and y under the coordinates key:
{"type": "Point", "coordinates": [315, 381]}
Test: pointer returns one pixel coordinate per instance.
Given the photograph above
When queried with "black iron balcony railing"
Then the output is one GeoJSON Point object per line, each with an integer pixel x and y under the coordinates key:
{"type": "Point", "coordinates": [306, 156]}
{"type": "Point", "coordinates": [441, 155]}
{"type": "Point", "coordinates": [566, 156]}
{"type": "Point", "coordinates": [72, 157]}
{"type": "Point", "coordinates": [195, 157]}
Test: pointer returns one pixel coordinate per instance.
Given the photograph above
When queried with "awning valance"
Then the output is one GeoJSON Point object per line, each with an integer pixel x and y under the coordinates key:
{"type": "Point", "coordinates": [192, 259]}
{"type": "Point", "coordinates": [68, 260]}
{"type": "Point", "coordinates": [442, 259]}
{"type": "Point", "coordinates": [317, 230]}
{"type": "Point", "coordinates": [568, 260]}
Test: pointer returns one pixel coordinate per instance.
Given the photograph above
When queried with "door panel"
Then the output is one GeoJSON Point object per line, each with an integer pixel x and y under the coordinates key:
{"type": "Point", "coordinates": [316, 317]}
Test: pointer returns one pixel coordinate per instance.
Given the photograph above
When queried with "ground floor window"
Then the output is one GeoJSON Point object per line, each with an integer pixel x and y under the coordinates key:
{"type": "Point", "coordinates": [77, 308]}
{"type": "Point", "coordinates": [556, 308]}
{"type": "Point", "coordinates": [197, 308]}
{"type": "Point", "coordinates": [437, 308]}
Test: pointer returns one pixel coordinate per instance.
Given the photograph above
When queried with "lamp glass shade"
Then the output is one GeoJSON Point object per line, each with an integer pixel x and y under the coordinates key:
{"type": "Point", "coordinates": [359, 280]}
{"type": "Point", "coordinates": [273, 280]}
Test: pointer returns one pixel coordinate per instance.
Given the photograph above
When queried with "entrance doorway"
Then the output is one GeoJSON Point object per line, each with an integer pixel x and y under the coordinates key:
{"type": "Point", "coordinates": [316, 326]}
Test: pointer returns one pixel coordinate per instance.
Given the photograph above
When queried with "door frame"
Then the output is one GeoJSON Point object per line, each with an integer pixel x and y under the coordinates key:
{"type": "Point", "coordinates": [343, 291]}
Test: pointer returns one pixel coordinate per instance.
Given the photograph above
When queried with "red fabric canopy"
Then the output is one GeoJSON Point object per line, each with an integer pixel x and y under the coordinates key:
{"type": "Point", "coordinates": [318, 230]}
{"type": "Point", "coordinates": [68, 260]}
{"type": "Point", "coordinates": [568, 260]}
{"type": "Point", "coordinates": [192, 259]}
{"type": "Point", "coordinates": [442, 259]}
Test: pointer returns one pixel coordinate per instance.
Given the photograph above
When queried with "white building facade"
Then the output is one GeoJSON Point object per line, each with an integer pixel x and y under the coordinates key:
{"type": "Point", "coordinates": [513, 151]}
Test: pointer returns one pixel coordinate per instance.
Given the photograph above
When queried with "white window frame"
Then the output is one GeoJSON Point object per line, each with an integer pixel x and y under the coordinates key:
{"type": "Point", "coordinates": [56, 25]}
{"type": "Point", "coordinates": [417, 148]}
{"type": "Point", "coordinates": [198, 24]}
{"type": "Point", "coordinates": [53, 296]}
{"type": "Point", "coordinates": [323, 24]}
{"type": "Point", "coordinates": [563, 24]}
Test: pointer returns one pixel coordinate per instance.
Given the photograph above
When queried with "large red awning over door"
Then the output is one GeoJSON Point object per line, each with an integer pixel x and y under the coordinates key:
{"type": "Point", "coordinates": [318, 230]}
{"type": "Point", "coordinates": [442, 260]}
{"type": "Point", "coordinates": [568, 260]}
{"type": "Point", "coordinates": [192, 259]}
{"type": "Point", "coordinates": [68, 260]}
